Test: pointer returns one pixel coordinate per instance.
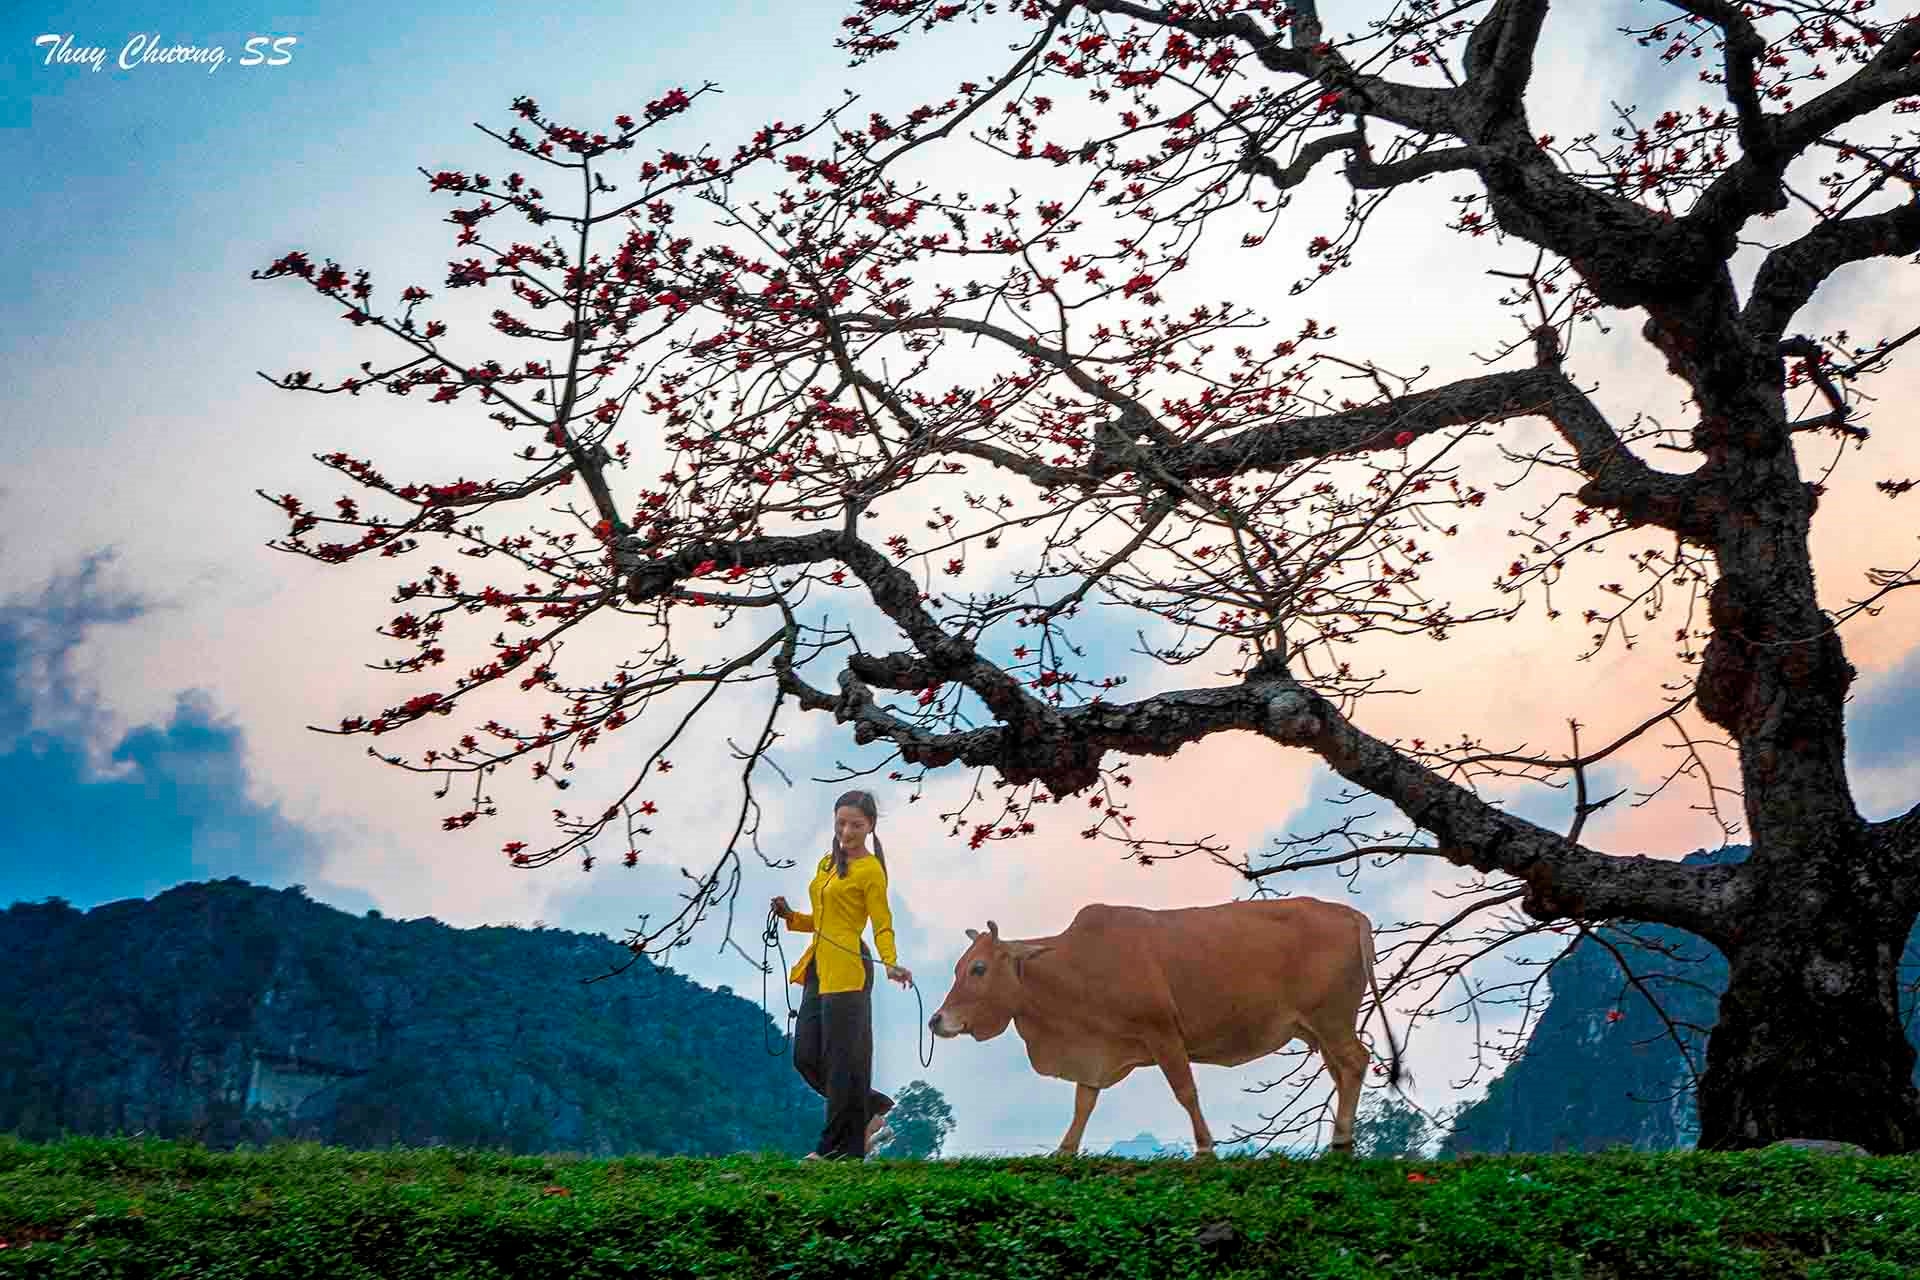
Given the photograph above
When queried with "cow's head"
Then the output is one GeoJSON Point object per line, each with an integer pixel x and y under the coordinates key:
{"type": "Point", "coordinates": [986, 986]}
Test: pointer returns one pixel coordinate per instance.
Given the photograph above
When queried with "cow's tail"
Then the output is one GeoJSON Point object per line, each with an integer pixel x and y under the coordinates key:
{"type": "Point", "coordinates": [1396, 1073]}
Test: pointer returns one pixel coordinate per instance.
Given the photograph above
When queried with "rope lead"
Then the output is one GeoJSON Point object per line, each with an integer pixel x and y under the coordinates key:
{"type": "Point", "coordinates": [770, 940]}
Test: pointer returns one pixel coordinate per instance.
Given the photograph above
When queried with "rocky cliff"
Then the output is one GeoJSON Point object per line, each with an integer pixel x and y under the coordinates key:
{"type": "Point", "coordinates": [1585, 1081]}
{"type": "Point", "coordinates": [234, 1013]}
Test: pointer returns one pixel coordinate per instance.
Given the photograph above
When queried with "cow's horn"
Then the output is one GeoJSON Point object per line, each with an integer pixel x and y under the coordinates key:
{"type": "Point", "coordinates": [972, 934]}
{"type": "Point", "coordinates": [993, 929]}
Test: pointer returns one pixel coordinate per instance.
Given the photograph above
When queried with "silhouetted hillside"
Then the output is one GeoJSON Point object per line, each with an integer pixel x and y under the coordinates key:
{"type": "Point", "coordinates": [235, 1013]}
{"type": "Point", "coordinates": [1585, 1084]}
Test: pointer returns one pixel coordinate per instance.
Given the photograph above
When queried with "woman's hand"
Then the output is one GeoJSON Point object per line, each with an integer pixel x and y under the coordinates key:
{"type": "Point", "coordinates": [781, 909]}
{"type": "Point", "coordinates": [900, 975]}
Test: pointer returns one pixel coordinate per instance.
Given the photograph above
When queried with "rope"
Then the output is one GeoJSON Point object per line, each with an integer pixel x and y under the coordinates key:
{"type": "Point", "coordinates": [770, 935]}
{"type": "Point", "coordinates": [770, 938]}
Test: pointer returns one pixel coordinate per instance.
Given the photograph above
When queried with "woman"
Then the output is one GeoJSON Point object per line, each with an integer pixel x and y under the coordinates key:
{"type": "Point", "coordinates": [833, 1040]}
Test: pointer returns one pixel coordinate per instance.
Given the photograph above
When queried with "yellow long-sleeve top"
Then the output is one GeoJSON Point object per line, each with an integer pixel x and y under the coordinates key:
{"type": "Point", "coordinates": [841, 908]}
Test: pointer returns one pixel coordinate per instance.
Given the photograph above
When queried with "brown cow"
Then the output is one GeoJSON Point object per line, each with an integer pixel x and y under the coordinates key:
{"type": "Point", "coordinates": [1128, 987]}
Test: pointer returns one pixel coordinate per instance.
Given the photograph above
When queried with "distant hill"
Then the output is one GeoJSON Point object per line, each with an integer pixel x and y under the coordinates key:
{"type": "Point", "coordinates": [1144, 1146]}
{"type": "Point", "coordinates": [1585, 1084]}
{"type": "Point", "coordinates": [231, 1013]}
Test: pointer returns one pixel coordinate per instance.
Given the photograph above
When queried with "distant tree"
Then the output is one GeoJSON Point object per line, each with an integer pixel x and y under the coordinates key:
{"type": "Point", "coordinates": [920, 1120]}
{"type": "Point", "coordinates": [1389, 1128]}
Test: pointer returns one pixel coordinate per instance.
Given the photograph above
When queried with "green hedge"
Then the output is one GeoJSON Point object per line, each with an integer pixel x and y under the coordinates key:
{"type": "Point", "coordinates": [106, 1208]}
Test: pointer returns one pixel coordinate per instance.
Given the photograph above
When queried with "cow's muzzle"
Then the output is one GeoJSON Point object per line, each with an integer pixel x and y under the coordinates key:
{"type": "Point", "coordinates": [940, 1026]}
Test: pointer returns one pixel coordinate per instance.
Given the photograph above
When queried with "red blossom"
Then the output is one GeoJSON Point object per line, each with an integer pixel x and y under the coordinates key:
{"type": "Point", "coordinates": [674, 101]}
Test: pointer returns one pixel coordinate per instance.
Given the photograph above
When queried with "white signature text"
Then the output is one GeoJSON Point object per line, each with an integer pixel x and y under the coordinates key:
{"type": "Point", "coordinates": [145, 50]}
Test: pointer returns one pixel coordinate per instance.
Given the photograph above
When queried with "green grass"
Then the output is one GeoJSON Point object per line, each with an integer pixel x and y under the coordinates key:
{"type": "Point", "coordinates": [110, 1208]}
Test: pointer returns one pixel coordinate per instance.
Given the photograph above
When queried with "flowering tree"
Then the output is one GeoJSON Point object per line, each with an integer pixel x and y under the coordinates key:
{"type": "Point", "coordinates": [851, 436]}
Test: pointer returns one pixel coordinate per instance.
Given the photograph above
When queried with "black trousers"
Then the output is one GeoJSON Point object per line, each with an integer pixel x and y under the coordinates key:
{"type": "Point", "coordinates": [833, 1051]}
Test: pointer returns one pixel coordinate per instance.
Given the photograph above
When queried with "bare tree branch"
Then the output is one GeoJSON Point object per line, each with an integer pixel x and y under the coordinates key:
{"type": "Point", "coordinates": [1790, 274]}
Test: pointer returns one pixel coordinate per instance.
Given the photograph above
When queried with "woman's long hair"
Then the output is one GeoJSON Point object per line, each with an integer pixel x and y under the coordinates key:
{"type": "Point", "coordinates": [863, 801]}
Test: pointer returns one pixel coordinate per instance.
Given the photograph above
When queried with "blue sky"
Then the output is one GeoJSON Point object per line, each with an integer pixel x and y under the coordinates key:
{"type": "Point", "coordinates": [158, 664]}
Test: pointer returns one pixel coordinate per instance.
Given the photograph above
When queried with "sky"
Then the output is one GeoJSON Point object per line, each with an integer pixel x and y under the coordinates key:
{"type": "Point", "coordinates": [159, 664]}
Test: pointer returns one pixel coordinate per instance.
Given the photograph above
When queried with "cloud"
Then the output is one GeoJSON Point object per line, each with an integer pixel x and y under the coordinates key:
{"type": "Point", "coordinates": [1883, 740]}
{"type": "Point", "coordinates": [108, 814]}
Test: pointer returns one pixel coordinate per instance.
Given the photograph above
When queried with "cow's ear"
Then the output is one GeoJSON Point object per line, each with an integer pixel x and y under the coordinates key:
{"type": "Point", "coordinates": [972, 934]}
{"type": "Point", "coordinates": [1023, 954]}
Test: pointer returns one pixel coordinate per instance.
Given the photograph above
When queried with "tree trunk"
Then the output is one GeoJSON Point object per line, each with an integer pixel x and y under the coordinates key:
{"type": "Point", "coordinates": [1809, 1043]}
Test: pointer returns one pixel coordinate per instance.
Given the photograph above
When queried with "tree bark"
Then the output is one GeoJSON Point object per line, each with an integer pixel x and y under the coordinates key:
{"type": "Point", "coordinates": [1809, 1043]}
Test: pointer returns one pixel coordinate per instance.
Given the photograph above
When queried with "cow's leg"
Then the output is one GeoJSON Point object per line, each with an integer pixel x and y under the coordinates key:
{"type": "Point", "coordinates": [1347, 1060]}
{"type": "Point", "coordinates": [1179, 1072]}
{"type": "Point", "coordinates": [1084, 1096]}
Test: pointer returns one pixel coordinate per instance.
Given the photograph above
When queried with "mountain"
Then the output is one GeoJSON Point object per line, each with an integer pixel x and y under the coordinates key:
{"type": "Point", "coordinates": [1144, 1146]}
{"type": "Point", "coordinates": [229, 1013]}
{"type": "Point", "coordinates": [1585, 1083]}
